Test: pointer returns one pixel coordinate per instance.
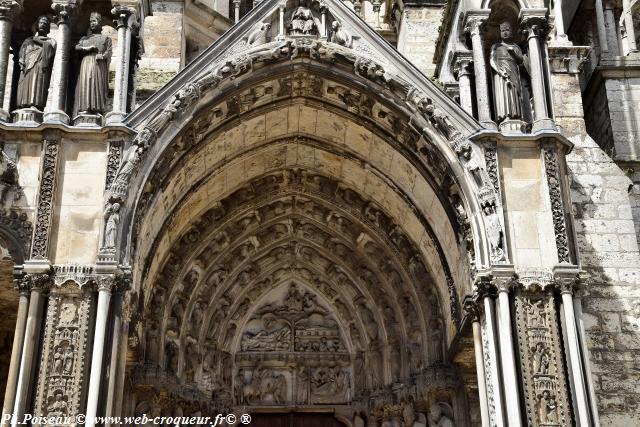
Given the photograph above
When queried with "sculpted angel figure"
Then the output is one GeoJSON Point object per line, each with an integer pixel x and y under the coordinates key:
{"type": "Point", "coordinates": [92, 88]}
{"type": "Point", "coordinates": [36, 61]}
{"type": "Point", "coordinates": [302, 21]}
{"type": "Point", "coordinates": [259, 34]}
{"type": "Point", "coordinates": [506, 59]}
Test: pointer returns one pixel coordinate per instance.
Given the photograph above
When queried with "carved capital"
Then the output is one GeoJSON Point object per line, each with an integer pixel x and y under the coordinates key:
{"type": "Point", "coordinates": [506, 284]}
{"type": "Point", "coordinates": [122, 15]}
{"type": "Point", "coordinates": [463, 64]}
{"type": "Point", "coordinates": [39, 282]}
{"type": "Point", "coordinates": [64, 12]}
{"type": "Point", "coordinates": [485, 286]}
{"type": "Point", "coordinates": [475, 26]}
{"type": "Point", "coordinates": [117, 282]}
{"type": "Point", "coordinates": [534, 22]}
{"type": "Point", "coordinates": [9, 9]}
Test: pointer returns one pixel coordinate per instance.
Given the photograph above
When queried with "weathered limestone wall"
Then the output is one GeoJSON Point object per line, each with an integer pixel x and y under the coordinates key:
{"type": "Point", "coordinates": [609, 253]}
{"type": "Point", "coordinates": [527, 207]}
{"type": "Point", "coordinates": [417, 35]}
{"type": "Point", "coordinates": [163, 44]}
{"type": "Point", "coordinates": [78, 202]}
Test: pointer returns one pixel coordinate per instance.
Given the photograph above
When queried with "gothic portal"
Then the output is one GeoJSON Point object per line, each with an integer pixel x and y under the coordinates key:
{"type": "Point", "coordinates": [320, 213]}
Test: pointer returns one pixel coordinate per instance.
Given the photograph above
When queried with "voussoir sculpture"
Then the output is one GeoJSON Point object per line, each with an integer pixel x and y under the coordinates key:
{"type": "Point", "coordinates": [36, 61]}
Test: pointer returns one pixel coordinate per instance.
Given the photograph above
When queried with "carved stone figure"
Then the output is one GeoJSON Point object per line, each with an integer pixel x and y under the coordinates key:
{"type": "Point", "coordinates": [339, 35]}
{"type": "Point", "coordinates": [540, 360]}
{"type": "Point", "coordinates": [57, 404]}
{"type": "Point", "coordinates": [112, 219]}
{"type": "Point", "coordinates": [494, 231]}
{"type": "Point", "coordinates": [58, 362]}
{"type": "Point", "coordinates": [36, 61]}
{"type": "Point", "coordinates": [69, 355]}
{"type": "Point", "coordinates": [92, 88]}
{"type": "Point", "coordinates": [547, 407]}
{"type": "Point", "coordinates": [506, 60]}
{"type": "Point", "coordinates": [302, 20]}
{"type": "Point", "coordinates": [437, 417]}
{"type": "Point", "coordinates": [410, 418]}
{"type": "Point", "coordinates": [259, 34]}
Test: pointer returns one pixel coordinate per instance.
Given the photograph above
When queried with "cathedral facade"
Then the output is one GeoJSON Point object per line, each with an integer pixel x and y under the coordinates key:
{"type": "Point", "coordinates": [320, 213]}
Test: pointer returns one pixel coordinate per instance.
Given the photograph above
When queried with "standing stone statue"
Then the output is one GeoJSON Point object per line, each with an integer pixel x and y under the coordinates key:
{"type": "Point", "coordinates": [506, 60]}
{"type": "Point", "coordinates": [93, 81]}
{"type": "Point", "coordinates": [303, 21]}
{"type": "Point", "coordinates": [36, 61]}
{"type": "Point", "coordinates": [112, 219]}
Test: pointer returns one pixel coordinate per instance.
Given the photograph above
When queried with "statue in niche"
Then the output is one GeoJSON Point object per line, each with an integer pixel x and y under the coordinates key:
{"type": "Point", "coordinates": [339, 35]}
{"type": "Point", "coordinates": [302, 20]}
{"type": "Point", "coordinates": [57, 404]}
{"type": "Point", "coordinates": [437, 418]}
{"type": "Point", "coordinates": [36, 61]}
{"type": "Point", "coordinates": [92, 88]}
{"type": "Point", "coordinates": [68, 361]}
{"type": "Point", "coordinates": [547, 407]}
{"type": "Point", "coordinates": [112, 219]}
{"type": "Point", "coordinates": [540, 360]}
{"type": "Point", "coordinates": [58, 361]}
{"type": "Point", "coordinates": [506, 59]}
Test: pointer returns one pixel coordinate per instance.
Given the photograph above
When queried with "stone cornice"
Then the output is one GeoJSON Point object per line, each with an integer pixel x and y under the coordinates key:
{"type": "Point", "coordinates": [568, 59]}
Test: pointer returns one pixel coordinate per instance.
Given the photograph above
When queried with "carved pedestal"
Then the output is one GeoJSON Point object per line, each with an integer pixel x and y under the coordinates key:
{"type": "Point", "coordinates": [27, 117]}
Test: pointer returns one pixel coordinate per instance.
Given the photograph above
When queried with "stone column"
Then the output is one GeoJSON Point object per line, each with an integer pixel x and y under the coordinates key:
{"type": "Point", "coordinates": [7, 11]}
{"type": "Point", "coordinates": [114, 359]}
{"type": "Point", "coordinates": [281, 30]}
{"type": "Point", "coordinates": [16, 350]}
{"type": "Point", "coordinates": [602, 31]}
{"type": "Point", "coordinates": [105, 287]}
{"type": "Point", "coordinates": [475, 26]}
{"type": "Point", "coordinates": [55, 111]}
{"type": "Point", "coordinates": [123, 17]}
{"type": "Point", "coordinates": [533, 24]}
{"type": "Point", "coordinates": [494, 393]}
{"type": "Point", "coordinates": [508, 355]}
{"type": "Point", "coordinates": [236, 10]}
{"type": "Point", "coordinates": [583, 414]}
{"type": "Point", "coordinates": [561, 36]}
{"type": "Point", "coordinates": [471, 307]}
{"type": "Point", "coordinates": [463, 69]}
{"type": "Point", "coordinates": [628, 26]}
{"type": "Point", "coordinates": [38, 283]}
{"type": "Point", "coordinates": [611, 28]}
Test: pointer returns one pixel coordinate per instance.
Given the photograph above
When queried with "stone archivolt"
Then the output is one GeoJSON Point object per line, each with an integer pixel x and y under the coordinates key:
{"type": "Point", "coordinates": [369, 273]}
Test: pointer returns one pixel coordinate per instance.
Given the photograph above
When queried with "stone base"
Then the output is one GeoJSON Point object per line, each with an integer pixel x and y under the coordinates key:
{"type": "Point", "coordinates": [512, 126]}
{"type": "Point", "coordinates": [114, 117]}
{"type": "Point", "coordinates": [544, 124]}
{"type": "Point", "coordinates": [4, 116]}
{"type": "Point", "coordinates": [56, 116]}
{"type": "Point", "coordinates": [87, 120]}
{"type": "Point", "coordinates": [27, 117]}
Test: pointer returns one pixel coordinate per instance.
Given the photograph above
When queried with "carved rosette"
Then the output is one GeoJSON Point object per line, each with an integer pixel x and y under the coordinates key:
{"type": "Point", "coordinates": [552, 169]}
{"type": "Point", "coordinates": [543, 379]}
{"type": "Point", "coordinates": [44, 214]}
{"type": "Point", "coordinates": [61, 380]}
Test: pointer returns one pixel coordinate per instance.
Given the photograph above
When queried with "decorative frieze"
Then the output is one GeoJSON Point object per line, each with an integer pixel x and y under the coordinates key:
{"type": "Point", "coordinates": [552, 170]}
{"type": "Point", "coordinates": [44, 213]}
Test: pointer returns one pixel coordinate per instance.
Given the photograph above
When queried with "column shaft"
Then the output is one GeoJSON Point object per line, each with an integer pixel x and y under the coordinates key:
{"type": "Point", "coordinates": [611, 30]}
{"type": "Point", "coordinates": [628, 25]}
{"type": "Point", "coordinates": [122, 65]}
{"type": "Point", "coordinates": [559, 21]}
{"type": "Point", "coordinates": [492, 356]}
{"type": "Point", "coordinates": [16, 355]}
{"type": "Point", "coordinates": [5, 42]}
{"type": "Point", "coordinates": [577, 307]}
{"type": "Point", "coordinates": [580, 394]}
{"type": "Point", "coordinates": [508, 359]}
{"type": "Point", "coordinates": [540, 113]}
{"type": "Point", "coordinates": [602, 32]}
{"type": "Point", "coordinates": [29, 350]}
{"type": "Point", "coordinates": [480, 71]}
{"type": "Point", "coordinates": [114, 362]}
{"type": "Point", "coordinates": [482, 384]}
{"type": "Point", "coordinates": [102, 313]}
{"type": "Point", "coordinates": [56, 111]}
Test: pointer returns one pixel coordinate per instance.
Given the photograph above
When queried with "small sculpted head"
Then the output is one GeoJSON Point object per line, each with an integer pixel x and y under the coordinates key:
{"type": "Point", "coordinates": [95, 22]}
{"type": "Point", "coordinates": [43, 25]}
{"type": "Point", "coordinates": [506, 31]}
